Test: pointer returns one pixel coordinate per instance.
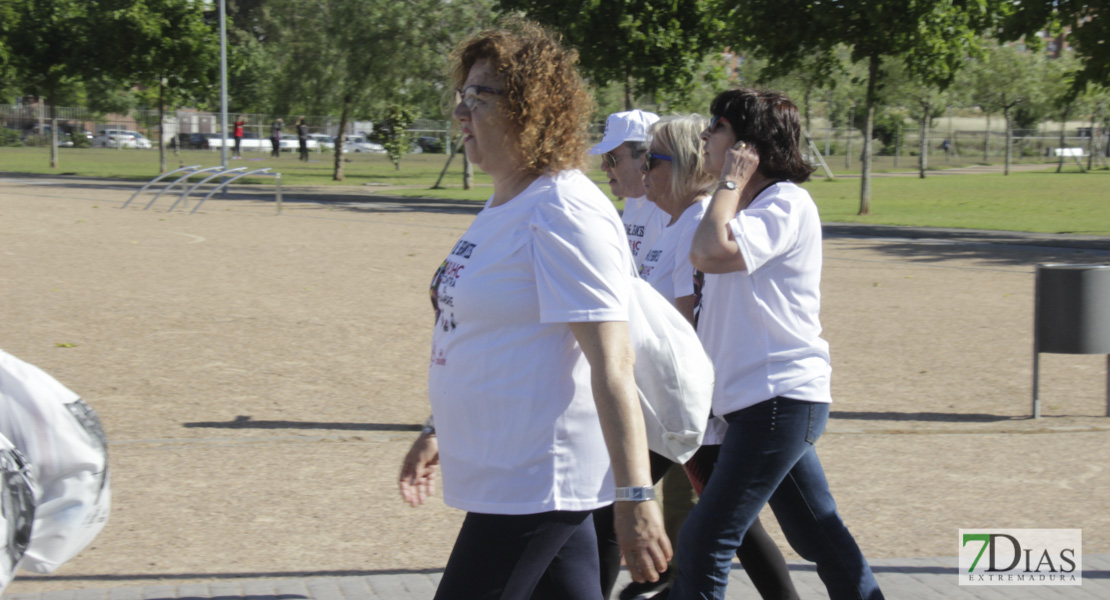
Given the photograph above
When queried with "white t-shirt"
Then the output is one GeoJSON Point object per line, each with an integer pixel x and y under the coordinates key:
{"type": "Point", "coordinates": [760, 326]}
{"type": "Point", "coordinates": [666, 266]}
{"type": "Point", "coordinates": [509, 386]}
{"type": "Point", "coordinates": [643, 222]}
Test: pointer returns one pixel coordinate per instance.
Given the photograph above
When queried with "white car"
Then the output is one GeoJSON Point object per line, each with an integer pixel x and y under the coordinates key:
{"type": "Point", "coordinates": [359, 143]}
{"type": "Point", "coordinates": [323, 141]}
{"type": "Point", "coordinates": [114, 138]}
{"type": "Point", "coordinates": [290, 143]}
{"type": "Point", "coordinates": [141, 141]}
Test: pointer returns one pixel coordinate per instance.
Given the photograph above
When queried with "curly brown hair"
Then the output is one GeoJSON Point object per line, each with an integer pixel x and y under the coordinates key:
{"type": "Point", "coordinates": [546, 100]}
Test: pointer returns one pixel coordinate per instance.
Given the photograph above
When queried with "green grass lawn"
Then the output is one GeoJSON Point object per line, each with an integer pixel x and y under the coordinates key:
{"type": "Point", "coordinates": [1043, 201]}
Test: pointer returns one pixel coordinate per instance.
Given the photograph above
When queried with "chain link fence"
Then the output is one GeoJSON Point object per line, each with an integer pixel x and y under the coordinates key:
{"type": "Point", "coordinates": [30, 125]}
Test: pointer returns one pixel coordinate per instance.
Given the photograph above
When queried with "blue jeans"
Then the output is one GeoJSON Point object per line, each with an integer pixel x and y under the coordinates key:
{"type": "Point", "coordinates": [768, 457]}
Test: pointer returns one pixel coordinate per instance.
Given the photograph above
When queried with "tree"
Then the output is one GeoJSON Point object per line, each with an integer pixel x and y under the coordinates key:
{"type": "Point", "coordinates": [925, 103]}
{"type": "Point", "coordinates": [8, 24]}
{"type": "Point", "coordinates": [170, 48]}
{"type": "Point", "coordinates": [931, 37]}
{"type": "Point", "coordinates": [810, 77]}
{"type": "Point", "coordinates": [51, 48]}
{"type": "Point", "coordinates": [1003, 79]}
{"type": "Point", "coordinates": [1084, 24]}
{"type": "Point", "coordinates": [645, 45]}
{"type": "Point", "coordinates": [392, 132]}
{"type": "Point", "coordinates": [1060, 97]}
{"type": "Point", "coordinates": [357, 57]}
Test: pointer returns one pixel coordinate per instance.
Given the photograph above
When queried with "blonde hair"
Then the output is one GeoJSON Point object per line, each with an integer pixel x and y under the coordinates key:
{"type": "Point", "coordinates": [545, 99]}
{"type": "Point", "coordinates": [679, 136]}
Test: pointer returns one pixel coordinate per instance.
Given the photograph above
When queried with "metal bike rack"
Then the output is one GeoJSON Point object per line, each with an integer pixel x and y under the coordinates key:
{"type": "Point", "coordinates": [178, 180]}
{"type": "Point", "coordinates": [202, 182]}
{"type": "Point", "coordinates": [265, 172]}
{"type": "Point", "coordinates": [190, 168]}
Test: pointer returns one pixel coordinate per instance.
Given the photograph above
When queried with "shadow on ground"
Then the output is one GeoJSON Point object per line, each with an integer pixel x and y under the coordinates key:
{"type": "Point", "coordinates": [998, 248]}
{"type": "Point", "coordinates": [245, 422]}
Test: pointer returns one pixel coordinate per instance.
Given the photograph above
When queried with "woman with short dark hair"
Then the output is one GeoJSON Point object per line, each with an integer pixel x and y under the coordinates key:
{"type": "Point", "coordinates": [760, 247]}
{"type": "Point", "coordinates": [537, 418]}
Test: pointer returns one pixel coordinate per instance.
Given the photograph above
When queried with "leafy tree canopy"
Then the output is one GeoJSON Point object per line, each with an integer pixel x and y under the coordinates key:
{"type": "Point", "coordinates": [1087, 23]}
{"type": "Point", "coordinates": [646, 45]}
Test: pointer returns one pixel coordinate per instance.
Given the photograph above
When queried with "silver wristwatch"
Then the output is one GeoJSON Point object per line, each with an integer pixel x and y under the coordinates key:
{"type": "Point", "coordinates": [635, 494]}
{"type": "Point", "coordinates": [429, 426]}
{"type": "Point", "coordinates": [727, 184]}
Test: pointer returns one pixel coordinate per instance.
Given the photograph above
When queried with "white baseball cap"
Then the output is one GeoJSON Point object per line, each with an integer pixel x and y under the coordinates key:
{"type": "Point", "coordinates": [631, 126]}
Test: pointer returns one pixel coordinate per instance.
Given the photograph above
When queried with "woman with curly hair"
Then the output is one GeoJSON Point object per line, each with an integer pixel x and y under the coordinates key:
{"type": "Point", "coordinates": [536, 416]}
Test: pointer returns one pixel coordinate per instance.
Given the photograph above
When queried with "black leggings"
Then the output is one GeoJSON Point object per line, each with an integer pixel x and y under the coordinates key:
{"type": "Point", "coordinates": [544, 556]}
{"type": "Point", "coordinates": [758, 553]}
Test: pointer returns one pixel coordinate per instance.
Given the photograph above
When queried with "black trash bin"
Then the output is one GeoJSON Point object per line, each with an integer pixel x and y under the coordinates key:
{"type": "Point", "coordinates": [1071, 316]}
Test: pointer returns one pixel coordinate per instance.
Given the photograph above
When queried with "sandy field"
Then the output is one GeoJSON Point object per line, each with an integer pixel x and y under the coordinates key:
{"type": "Point", "coordinates": [261, 376]}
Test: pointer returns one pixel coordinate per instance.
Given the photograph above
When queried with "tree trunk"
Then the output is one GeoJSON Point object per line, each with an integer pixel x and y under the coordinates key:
{"type": "Point", "coordinates": [923, 146]}
{"type": "Point", "coordinates": [805, 104]}
{"type": "Point", "coordinates": [337, 175]}
{"type": "Point", "coordinates": [987, 141]}
{"type": "Point", "coordinates": [1009, 140]}
{"type": "Point", "coordinates": [628, 92]}
{"type": "Point", "coordinates": [899, 138]}
{"type": "Point", "coordinates": [161, 125]}
{"type": "Point", "coordinates": [1091, 146]}
{"type": "Point", "coordinates": [53, 129]}
{"type": "Point", "coordinates": [865, 172]}
{"type": "Point", "coordinates": [1063, 136]}
{"type": "Point", "coordinates": [848, 143]}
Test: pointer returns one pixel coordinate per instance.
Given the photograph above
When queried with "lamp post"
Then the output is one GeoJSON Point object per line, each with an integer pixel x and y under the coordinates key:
{"type": "Point", "coordinates": [223, 82]}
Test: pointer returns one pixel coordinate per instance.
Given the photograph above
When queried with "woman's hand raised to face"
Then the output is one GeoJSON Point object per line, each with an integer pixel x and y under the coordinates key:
{"type": "Point", "coordinates": [741, 163]}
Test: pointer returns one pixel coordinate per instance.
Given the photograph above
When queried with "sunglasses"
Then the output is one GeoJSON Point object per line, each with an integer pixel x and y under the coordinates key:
{"type": "Point", "coordinates": [470, 93]}
{"type": "Point", "coordinates": [715, 123]}
{"type": "Point", "coordinates": [609, 160]}
{"type": "Point", "coordinates": [651, 158]}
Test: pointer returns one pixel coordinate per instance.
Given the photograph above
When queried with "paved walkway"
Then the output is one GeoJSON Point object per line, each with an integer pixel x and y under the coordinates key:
{"type": "Point", "coordinates": [900, 579]}
{"type": "Point", "coordinates": [909, 578]}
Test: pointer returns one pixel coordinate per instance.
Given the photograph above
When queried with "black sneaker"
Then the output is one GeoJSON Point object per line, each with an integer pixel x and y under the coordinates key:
{"type": "Point", "coordinates": [648, 589]}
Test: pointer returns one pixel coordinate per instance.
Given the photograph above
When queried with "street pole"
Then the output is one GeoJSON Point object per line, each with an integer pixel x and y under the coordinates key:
{"type": "Point", "coordinates": [223, 82]}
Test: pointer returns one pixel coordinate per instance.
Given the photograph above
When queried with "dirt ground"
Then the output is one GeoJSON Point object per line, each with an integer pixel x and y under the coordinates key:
{"type": "Point", "coordinates": [261, 376]}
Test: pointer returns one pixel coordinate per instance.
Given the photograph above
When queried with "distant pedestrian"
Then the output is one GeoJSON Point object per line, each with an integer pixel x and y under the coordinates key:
{"type": "Point", "coordinates": [275, 137]}
{"type": "Point", "coordinates": [239, 122]}
{"type": "Point", "coordinates": [302, 138]}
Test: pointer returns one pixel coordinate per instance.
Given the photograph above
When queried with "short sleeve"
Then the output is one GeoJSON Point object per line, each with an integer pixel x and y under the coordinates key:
{"type": "Point", "coordinates": [581, 262]}
{"type": "Point", "coordinates": [765, 232]}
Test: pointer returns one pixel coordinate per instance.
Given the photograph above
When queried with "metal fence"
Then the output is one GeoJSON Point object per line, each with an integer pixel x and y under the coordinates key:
{"type": "Point", "coordinates": [1032, 145]}
{"type": "Point", "coordinates": [32, 122]}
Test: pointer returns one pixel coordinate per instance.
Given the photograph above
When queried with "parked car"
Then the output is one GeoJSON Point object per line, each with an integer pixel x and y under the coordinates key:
{"type": "Point", "coordinates": [290, 143]}
{"type": "Point", "coordinates": [325, 142]}
{"type": "Point", "coordinates": [141, 141]}
{"type": "Point", "coordinates": [197, 141]}
{"type": "Point", "coordinates": [114, 138]}
{"type": "Point", "coordinates": [359, 143]}
{"type": "Point", "coordinates": [428, 143]}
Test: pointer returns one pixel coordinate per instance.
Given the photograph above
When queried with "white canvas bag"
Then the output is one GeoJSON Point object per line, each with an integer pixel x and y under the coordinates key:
{"type": "Point", "coordinates": [673, 373]}
{"type": "Point", "coordinates": [65, 444]}
{"type": "Point", "coordinates": [17, 509]}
